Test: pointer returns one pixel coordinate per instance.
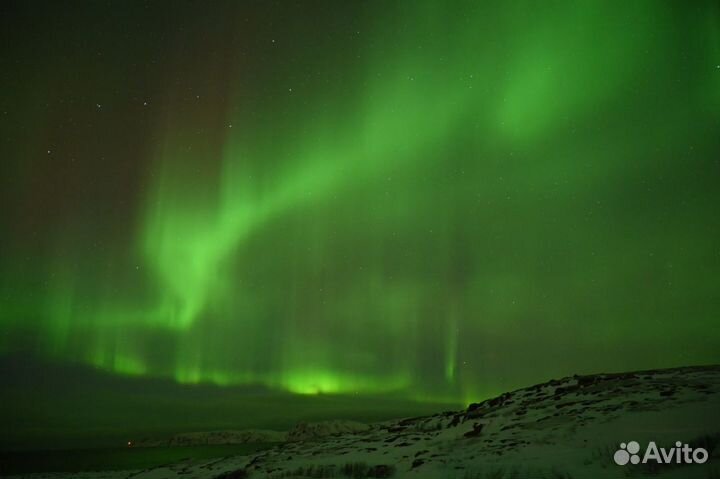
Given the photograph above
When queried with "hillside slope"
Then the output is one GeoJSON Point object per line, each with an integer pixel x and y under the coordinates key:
{"type": "Point", "coordinates": [567, 428]}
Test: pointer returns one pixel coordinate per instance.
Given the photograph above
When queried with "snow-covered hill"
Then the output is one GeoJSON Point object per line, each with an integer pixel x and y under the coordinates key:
{"type": "Point", "coordinates": [567, 428]}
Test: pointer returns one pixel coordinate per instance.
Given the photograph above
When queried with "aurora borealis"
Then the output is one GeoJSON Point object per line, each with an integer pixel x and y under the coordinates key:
{"type": "Point", "coordinates": [436, 200]}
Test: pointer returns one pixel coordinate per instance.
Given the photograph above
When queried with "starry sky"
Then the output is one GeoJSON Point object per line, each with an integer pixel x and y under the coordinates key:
{"type": "Point", "coordinates": [437, 201]}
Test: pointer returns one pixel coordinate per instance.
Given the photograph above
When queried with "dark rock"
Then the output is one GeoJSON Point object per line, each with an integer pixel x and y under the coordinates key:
{"type": "Point", "coordinates": [476, 430]}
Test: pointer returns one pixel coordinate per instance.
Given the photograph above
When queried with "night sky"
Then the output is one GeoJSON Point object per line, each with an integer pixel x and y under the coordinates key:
{"type": "Point", "coordinates": [434, 200]}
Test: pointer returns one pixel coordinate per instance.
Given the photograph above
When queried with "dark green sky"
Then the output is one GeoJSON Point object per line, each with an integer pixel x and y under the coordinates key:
{"type": "Point", "coordinates": [438, 200]}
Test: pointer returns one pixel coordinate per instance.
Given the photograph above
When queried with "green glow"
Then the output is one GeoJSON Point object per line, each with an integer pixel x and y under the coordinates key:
{"type": "Point", "coordinates": [567, 68]}
{"type": "Point", "coordinates": [445, 202]}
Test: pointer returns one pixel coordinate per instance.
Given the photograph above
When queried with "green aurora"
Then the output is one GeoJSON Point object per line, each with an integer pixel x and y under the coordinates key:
{"type": "Point", "coordinates": [436, 200]}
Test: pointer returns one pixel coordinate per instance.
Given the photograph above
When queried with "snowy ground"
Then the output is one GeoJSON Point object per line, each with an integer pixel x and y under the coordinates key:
{"type": "Point", "coordinates": [568, 428]}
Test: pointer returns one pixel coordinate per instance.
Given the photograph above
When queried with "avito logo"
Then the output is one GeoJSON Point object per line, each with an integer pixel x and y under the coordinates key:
{"type": "Point", "coordinates": [680, 454]}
